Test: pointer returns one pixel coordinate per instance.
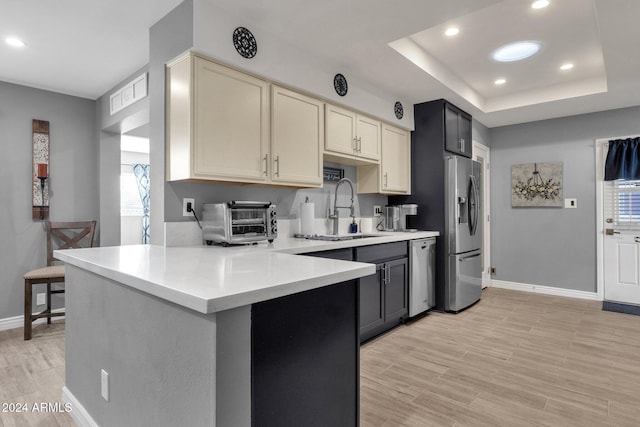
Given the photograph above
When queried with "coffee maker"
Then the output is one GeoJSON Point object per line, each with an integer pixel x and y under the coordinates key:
{"type": "Point", "coordinates": [404, 211]}
{"type": "Point", "coordinates": [395, 217]}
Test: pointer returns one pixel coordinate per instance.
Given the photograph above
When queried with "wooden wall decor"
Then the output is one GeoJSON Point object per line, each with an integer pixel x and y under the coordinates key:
{"type": "Point", "coordinates": [40, 170]}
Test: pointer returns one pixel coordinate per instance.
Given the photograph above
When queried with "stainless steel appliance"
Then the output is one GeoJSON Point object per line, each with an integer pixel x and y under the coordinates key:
{"type": "Point", "coordinates": [391, 218]}
{"type": "Point", "coordinates": [463, 233]}
{"type": "Point", "coordinates": [422, 275]}
{"type": "Point", "coordinates": [408, 209]}
{"type": "Point", "coordinates": [238, 222]}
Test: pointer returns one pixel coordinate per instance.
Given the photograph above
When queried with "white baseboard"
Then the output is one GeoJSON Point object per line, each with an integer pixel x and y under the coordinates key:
{"type": "Point", "coordinates": [79, 415]}
{"type": "Point", "coordinates": [18, 321]}
{"type": "Point", "coordinates": [547, 290]}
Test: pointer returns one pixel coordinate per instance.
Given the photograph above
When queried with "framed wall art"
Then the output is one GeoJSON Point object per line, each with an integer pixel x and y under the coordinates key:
{"type": "Point", "coordinates": [537, 185]}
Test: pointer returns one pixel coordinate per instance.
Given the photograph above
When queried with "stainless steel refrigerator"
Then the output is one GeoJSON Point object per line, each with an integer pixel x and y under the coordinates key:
{"type": "Point", "coordinates": [463, 233]}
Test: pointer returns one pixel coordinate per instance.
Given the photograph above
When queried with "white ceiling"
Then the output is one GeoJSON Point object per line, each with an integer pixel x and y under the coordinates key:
{"type": "Point", "coordinates": [85, 48]}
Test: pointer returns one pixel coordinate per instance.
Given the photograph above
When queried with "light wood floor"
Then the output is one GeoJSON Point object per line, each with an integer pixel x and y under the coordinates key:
{"type": "Point", "coordinates": [514, 359]}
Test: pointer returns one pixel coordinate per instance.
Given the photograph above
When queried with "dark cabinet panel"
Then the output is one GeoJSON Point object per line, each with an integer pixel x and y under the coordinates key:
{"type": "Point", "coordinates": [396, 291]}
{"type": "Point", "coordinates": [371, 301]}
{"type": "Point", "coordinates": [305, 359]}
{"type": "Point", "coordinates": [457, 133]}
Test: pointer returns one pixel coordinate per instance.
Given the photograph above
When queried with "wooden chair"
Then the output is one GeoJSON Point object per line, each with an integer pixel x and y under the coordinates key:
{"type": "Point", "coordinates": [62, 235]}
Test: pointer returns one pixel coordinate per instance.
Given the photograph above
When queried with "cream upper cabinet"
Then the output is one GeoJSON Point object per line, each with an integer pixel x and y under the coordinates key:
{"type": "Point", "coordinates": [396, 160]}
{"type": "Point", "coordinates": [393, 175]}
{"type": "Point", "coordinates": [297, 135]}
{"type": "Point", "coordinates": [220, 130]}
{"type": "Point", "coordinates": [225, 125]}
{"type": "Point", "coordinates": [351, 138]}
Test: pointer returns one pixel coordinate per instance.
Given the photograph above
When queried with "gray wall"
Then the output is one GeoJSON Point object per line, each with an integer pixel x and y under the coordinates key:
{"type": "Point", "coordinates": [73, 171]}
{"type": "Point", "coordinates": [551, 246]}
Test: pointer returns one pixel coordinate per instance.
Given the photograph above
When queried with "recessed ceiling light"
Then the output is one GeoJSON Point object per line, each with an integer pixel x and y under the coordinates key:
{"type": "Point", "coordinates": [539, 4]}
{"type": "Point", "coordinates": [15, 42]}
{"type": "Point", "coordinates": [566, 66]}
{"type": "Point", "coordinates": [516, 51]}
{"type": "Point", "coordinates": [499, 82]}
{"type": "Point", "coordinates": [452, 31]}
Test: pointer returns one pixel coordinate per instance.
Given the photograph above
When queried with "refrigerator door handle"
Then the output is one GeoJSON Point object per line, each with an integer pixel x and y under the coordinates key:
{"type": "Point", "coordinates": [474, 207]}
{"type": "Point", "coordinates": [469, 257]}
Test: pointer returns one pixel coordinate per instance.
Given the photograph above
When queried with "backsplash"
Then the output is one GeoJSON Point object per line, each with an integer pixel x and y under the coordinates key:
{"type": "Point", "coordinates": [287, 200]}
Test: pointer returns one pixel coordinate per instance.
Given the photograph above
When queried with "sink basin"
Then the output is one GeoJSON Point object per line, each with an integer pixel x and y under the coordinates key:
{"type": "Point", "coordinates": [339, 237]}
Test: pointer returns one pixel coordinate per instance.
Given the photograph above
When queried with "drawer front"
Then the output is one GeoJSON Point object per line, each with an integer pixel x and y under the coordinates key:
{"type": "Point", "coordinates": [380, 252]}
{"type": "Point", "coordinates": [343, 254]}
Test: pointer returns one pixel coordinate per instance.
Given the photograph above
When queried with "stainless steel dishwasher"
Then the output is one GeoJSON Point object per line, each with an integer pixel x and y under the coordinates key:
{"type": "Point", "coordinates": [422, 275]}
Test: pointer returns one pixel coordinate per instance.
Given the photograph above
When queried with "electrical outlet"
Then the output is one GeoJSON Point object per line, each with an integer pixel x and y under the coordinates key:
{"type": "Point", "coordinates": [185, 211]}
{"type": "Point", "coordinates": [104, 384]}
{"type": "Point", "coordinates": [493, 270]}
{"type": "Point", "coordinates": [570, 203]}
{"type": "Point", "coordinates": [377, 210]}
{"type": "Point", "coordinates": [40, 298]}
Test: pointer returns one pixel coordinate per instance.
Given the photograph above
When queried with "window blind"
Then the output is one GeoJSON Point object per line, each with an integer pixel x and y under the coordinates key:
{"type": "Point", "coordinates": [622, 203]}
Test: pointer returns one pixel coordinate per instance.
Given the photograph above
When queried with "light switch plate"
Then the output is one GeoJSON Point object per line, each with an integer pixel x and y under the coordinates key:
{"type": "Point", "coordinates": [570, 203]}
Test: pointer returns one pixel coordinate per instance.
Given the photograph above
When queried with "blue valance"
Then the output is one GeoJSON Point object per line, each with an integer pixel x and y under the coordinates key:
{"type": "Point", "coordinates": [623, 159]}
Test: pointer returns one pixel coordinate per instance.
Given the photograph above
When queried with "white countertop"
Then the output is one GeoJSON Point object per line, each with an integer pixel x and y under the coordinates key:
{"type": "Point", "coordinates": [209, 279]}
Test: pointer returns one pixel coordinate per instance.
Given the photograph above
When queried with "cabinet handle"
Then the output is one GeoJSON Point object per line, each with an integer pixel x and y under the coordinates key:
{"type": "Point", "coordinates": [277, 161]}
{"type": "Point", "coordinates": [354, 146]}
{"type": "Point", "coordinates": [386, 179]}
{"type": "Point", "coordinates": [266, 164]}
{"type": "Point", "coordinates": [387, 269]}
{"type": "Point", "coordinates": [359, 145]}
{"type": "Point", "coordinates": [461, 144]}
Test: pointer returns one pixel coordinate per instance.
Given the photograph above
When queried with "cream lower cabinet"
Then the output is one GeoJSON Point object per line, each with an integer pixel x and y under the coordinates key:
{"type": "Point", "coordinates": [297, 135]}
{"type": "Point", "coordinates": [351, 138]}
{"type": "Point", "coordinates": [225, 125]}
{"type": "Point", "coordinates": [393, 175]}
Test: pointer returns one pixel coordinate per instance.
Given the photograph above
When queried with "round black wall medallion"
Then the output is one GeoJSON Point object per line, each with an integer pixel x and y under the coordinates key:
{"type": "Point", "coordinates": [244, 42]}
{"type": "Point", "coordinates": [340, 84]}
{"type": "Point", "coordinates": [397, 108]}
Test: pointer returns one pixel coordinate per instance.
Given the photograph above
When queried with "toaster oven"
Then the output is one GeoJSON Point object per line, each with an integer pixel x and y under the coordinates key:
{"type": "Point", "coordinates": [239, 222]}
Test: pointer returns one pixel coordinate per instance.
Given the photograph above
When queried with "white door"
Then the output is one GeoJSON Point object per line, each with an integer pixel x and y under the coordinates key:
{"type": "Point", "coordinates": [481, 154]}
{"type": "Point", "coordinates": [619, 226]}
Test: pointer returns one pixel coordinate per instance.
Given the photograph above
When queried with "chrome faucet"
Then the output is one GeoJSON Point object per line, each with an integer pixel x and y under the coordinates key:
{"type": "Point", "coordinates": [335, 216]}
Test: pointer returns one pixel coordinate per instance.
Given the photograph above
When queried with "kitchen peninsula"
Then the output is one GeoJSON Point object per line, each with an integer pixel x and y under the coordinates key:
{"type": "Point", "coordinates": [251, 335]}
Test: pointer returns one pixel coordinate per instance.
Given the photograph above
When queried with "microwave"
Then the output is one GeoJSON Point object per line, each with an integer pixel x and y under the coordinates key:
{"type": "Point", "coordinates": [239, 222]}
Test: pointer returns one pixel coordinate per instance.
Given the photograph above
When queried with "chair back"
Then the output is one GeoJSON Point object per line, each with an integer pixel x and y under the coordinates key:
{"type": "Point", "coordinates": [68, 235]}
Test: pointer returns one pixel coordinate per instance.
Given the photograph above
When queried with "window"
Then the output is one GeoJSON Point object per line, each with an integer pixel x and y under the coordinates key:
{"type": "Point", "coordinates": [130, 203]}
{"type": "Point", "coordinates": [622, 204]}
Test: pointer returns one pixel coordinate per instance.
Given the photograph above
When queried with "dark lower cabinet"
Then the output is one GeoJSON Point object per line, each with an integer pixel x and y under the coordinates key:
{"type": "Point", "coordinates": [305, 359]}
{"type": "Point", "coordinates": [384, 297]}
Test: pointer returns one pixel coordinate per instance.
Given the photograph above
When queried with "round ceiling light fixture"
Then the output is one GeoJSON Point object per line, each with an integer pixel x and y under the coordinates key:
{"type": "Point", "coordinates": [567, 66]}
{"type": "Point", "coordinates": [15, 42]}
{"type": "Point", "coordinates": [539, 4]}
{"type": "Point", "coordinates": [452, 31]}
{"type": "Point", "coordinates": [499, 82]}
{"type": "Point", "coordinates": [516, 51]}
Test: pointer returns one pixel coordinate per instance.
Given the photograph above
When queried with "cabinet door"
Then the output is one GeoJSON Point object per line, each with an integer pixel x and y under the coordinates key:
{"type": "Point", "coordinates": [340, 130]}
{"type": "Point", "coordinates": [231, 124]}
{"type": "Point", "coordinates": [371, 303]}
{"type": "Point", "coordinates": [452, 142]}
{"type": "Point", "coordinates": [297, 135]}
{"type": "Point", "coordinates": [396, 160]}
{"type": "Point", "coordinates": [464, 129]}
{"type": "Point", "coordinates": [368, 138]}
{"type": "Point", "coordinates": [396, 291]}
